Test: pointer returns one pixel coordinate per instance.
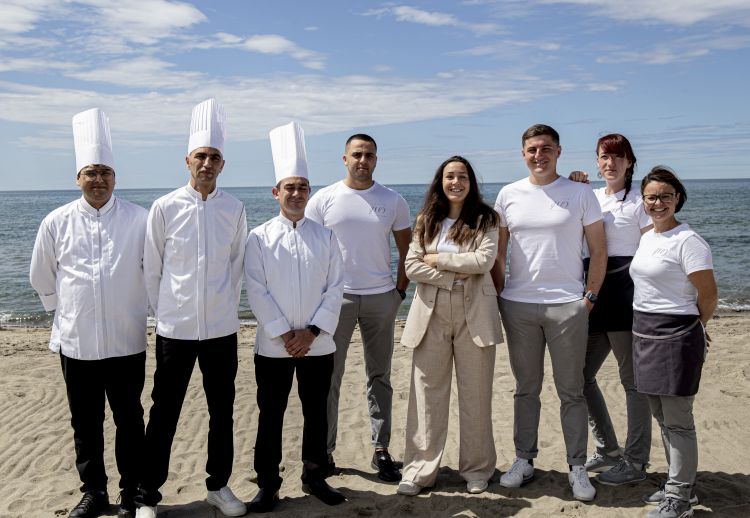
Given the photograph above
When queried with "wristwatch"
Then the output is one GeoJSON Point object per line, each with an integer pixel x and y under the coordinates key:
{"type": "Point", "coordinates": [591, 296]}
{"type": "Point", "coordinates": [402, 293]}
{"type": "Point", "coordinates": [314, 329]}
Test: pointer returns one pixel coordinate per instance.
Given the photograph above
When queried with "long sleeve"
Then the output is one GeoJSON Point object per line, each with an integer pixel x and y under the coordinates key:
{"type": "Point", "coordinates": [262, 303]}
{"type": "Point", "coordinates": [418, 271]}
{"type": "Point", "coordinates": [153, 255]}
{"type": "Point", "coordinates": [479, 261]}
{"type": "Point", "coordinates": [43, 270]}
{"type": "Point", "coordinates": [327, 315]}
{"type": "Point", "coordinates": [237, 253]}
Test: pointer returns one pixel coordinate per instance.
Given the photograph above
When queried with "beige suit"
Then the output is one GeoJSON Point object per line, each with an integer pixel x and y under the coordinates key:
{"type": "Point", "coordinates": [451, 324]}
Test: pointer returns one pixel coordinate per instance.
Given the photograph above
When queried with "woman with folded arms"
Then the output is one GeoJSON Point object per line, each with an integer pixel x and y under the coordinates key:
{"type": "Point", "coordinates": [675, 296]}
{"type": "Point", "coordinates": [453, 320]}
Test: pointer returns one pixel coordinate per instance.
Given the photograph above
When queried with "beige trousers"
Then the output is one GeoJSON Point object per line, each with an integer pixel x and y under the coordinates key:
{"type": "Point", "coordinates": [445, 343]}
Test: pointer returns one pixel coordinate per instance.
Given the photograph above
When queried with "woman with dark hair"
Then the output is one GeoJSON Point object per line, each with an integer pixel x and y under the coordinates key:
{"type": "Point", "coordinates": [611, 320]}
{"type": "Point", "coordinates": [453, 320]}
{"type": "Point", "coordinates": [675, 296]}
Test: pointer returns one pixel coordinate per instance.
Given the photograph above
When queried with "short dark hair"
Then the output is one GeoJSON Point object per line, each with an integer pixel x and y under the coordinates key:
{"type": "Point", "coordinates": [540, 129]}
{"type": "Point", "coordinates": [361, 136]}
{"type": "Point", "coordinates": [664, 174]}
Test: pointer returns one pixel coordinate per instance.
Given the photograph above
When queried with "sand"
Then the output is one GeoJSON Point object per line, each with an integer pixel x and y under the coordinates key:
{"type": "Point", "coordinates": [38, 476]}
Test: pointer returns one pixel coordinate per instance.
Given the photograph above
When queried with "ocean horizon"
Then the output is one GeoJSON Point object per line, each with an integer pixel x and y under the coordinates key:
{"type": "Point", "coordinates": [716, 208]}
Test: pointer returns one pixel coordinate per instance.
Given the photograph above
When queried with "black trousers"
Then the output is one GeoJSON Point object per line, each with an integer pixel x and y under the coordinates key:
{"type": "Point", "coordinates": [274, 377]}
{"type": "Point", "coordinates": [88, 383]}
{"type": "Point", "coordinates": [175, 359]}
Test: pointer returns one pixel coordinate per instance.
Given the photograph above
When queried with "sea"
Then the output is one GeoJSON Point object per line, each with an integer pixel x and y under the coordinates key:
{"type": "Point", "coordinates": [719, 210]}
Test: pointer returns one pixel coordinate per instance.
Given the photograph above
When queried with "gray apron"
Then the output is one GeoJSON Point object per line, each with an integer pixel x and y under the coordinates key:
{"type": "Point", "coordinates": [668, 353]}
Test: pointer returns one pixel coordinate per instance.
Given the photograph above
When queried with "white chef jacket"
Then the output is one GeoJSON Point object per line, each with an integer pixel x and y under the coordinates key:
{"type": "Point", "coordinates": [193, 263]}
{"type": "Point", "coordinates": [87, 266]}
{"type": "Point", "coordinates": [294, 277]}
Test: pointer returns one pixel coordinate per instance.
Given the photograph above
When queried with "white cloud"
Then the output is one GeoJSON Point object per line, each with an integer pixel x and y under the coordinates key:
{"type": "Point", "coordinates": [270, 44]}
{"type": "Point", "coordinates": [142, 72]}
{"type": "Point", "coordinates": [143, 21]}
{"type": "Point", "coordinates": [21, 16]}
{"type": "Point", "coordinates": [405, 13]}
{"type": "Point", "coordinates": [311, 28]}
{"type": "Point", "coordinates": [255, 105]}
{"type": "Point", "coordinates": [33, 65]}
{"type": "Point", "coordinates": [507, 48]}
{"type": "Point", "coordinates": [678, 51]}
{"type": "Point", "coordinates": [677, 12]}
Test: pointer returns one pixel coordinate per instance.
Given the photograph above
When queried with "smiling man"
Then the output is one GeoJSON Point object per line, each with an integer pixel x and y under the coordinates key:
{"type": "Point", "coordinates": [87, 266]}
{"type": "Point", "coordinates": [544, 302]}
{"type": "Point", "coordinates": [363, 214]}
{"type": "Point", "coordinates": [195, 245]}
{"type": "Point", "coordinates": [295, 281]}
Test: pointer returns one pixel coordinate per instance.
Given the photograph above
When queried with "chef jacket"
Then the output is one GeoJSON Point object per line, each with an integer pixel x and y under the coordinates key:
{"type": "Point", "coordinates": [193, 263]}
{"type": "Point", "coordinates": [294, 276]}
{"type": "Point", "coordinates": [87, 266]}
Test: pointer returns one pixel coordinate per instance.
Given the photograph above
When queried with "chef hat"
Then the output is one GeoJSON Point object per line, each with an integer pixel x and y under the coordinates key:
{"type": "Point", "coordinates": [92, 140]}
{"type": "Point", "coordinates": [208, 126]}
{"type": "Point", "coordinates": [288, 149]}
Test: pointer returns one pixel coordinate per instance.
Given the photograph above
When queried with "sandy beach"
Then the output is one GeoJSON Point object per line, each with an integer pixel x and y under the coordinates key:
{"type": "Point", "coordinates": [38, 476]}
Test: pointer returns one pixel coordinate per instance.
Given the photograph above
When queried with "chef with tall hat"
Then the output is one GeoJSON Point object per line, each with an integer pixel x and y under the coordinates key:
{"type": "Point", "coordinates": [87, 267]}
{"type": "Point", "coordinates": [295, 283]}
{"type": "Point", "coordinates": [195, 244]}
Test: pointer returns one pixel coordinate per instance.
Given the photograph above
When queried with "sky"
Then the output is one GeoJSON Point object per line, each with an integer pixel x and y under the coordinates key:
{"type": "Point", "coordinates": [427, 79]}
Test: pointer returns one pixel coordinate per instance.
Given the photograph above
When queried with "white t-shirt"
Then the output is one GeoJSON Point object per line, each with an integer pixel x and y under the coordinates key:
{"type": "Point", "coordinates": [546, 239]}
{"type": "Point", "coordinates": [362, 221]}
{"type": "Point", "coordinates": [623, 221]}
{"type": "Point", "coordinates": [446, 244]}
{"type": "Point", "coordinates": [660, 270]}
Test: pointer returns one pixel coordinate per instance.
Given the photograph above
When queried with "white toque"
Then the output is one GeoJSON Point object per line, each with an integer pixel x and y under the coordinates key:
{"type": "Point", "coordinates": [288, 149]}
{"type": "Point", "coordinates": [93, 143]}
{"type": "Point", "coordinates": [207, 126]}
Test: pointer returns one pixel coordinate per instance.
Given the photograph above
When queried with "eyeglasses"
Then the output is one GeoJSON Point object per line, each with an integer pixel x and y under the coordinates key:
{"type": "Point", "coordinates": [666, 198]}
{"type": "Point", "coordinates": [104, 175]}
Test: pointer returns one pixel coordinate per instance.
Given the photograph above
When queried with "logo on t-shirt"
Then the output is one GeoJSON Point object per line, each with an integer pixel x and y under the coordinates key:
{"type": "Point", "coordinates": [563, 204]}
{"type": "Point", "coordinates": [660, 252]}
{"type": "Point", "coordinates": [378, 211]}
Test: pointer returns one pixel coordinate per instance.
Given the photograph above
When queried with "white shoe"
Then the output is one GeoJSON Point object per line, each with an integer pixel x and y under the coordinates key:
{"type": "Point", "coordinates": [581, 485]}
{"type": "Point", "coordinates": [146, 511]}
{"type": "Point", "coordinates": [519, 473]}
{"type": "Point", "coordinates": [408, 488]}
{"type": "Point", "coordinates": [476, 486]}
{"type": "Point", "coordinates": [226, 502]}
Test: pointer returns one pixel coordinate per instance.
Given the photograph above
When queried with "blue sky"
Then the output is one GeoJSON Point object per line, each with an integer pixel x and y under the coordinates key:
{"type": "Point", "coordinates": [426, 79]}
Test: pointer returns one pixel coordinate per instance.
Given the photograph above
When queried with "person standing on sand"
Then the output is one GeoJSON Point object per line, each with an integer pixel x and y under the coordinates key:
{"type": "Point", "coordinates": [87, 267]}
{"type": "Point", "coordinates": [611, 320]}
{"type": "Point", "coordinates": [546, 218]}
{"type": "Point", "coordinates": [294, 276]}
{"type": "Point", "coordinates": [195, 245]}
{"type": "Point", "coordinates": [453, 320]}
{"type": "Point", "coordinates": [675, 297]}
{"type": "Point", "coordinates": [362, 214]}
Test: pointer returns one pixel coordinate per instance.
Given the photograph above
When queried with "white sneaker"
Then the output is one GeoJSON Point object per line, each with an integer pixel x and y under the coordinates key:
{"type": "Point", "coordinates": [519, 474]}
{"type": "Point", "coordinates": [146, 511]}
{"type": "Point", "coordinates": [581, 485]}
{"type": "Point", "coordinates": [408, 488]}
{"type": "Point", "coordinates": [226, 502]}
{"type": "Point", "coordinates": [476, 486]}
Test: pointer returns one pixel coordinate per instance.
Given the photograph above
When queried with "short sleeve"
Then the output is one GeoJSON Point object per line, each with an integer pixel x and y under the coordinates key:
{"type": "Point", "coordinates": [314, 210]}
{"type": "Point", "coordinates": [695, 255]}
{"type": "Point", "coordinates": [644, 220]}
{"type": "Point", "coordinates": [402, 219]}
{"type": "Point", "coordinates": [499, 209]}
{"type": "Point", "coordinates": [592, 210]}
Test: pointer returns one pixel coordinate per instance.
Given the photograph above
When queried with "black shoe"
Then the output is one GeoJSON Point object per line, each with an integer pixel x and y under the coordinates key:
{"type": "Point", "coordinates": [127, 503]}
{"type": "Point", "coordinates": [264, 501]}
{"type": "Point", "coordinates": [387, 470]}
{"type": "Point", "coordinates": [92, 504]}
{"type": "Point", "coordinates": [323, 492]}
{"type": "Point", "coordinates": [331, 468]}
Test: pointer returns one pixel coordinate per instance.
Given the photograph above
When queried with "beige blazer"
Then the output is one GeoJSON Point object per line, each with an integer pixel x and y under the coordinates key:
{"type": "Point", "coordinates": [476, 259]}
